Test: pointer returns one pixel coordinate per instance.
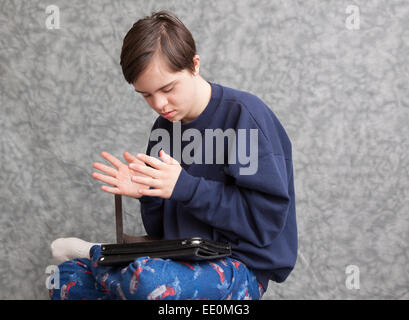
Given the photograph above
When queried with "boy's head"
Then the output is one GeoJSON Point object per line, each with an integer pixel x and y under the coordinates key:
{"type": "Point", "coordinates": [163, 34]}
{"type": "Point", "coordinates": [160, 51]}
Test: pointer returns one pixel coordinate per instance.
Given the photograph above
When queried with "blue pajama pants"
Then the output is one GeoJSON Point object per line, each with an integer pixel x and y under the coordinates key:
{"type": "Point", "coordinates": [156, 279]}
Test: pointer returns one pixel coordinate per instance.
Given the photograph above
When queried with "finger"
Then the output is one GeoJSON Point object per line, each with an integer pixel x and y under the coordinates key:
{"type": "Point", "coordinates": [109, 157]}
{"type": "Point", "coordinates": [110, 190]}
{"type": "Point", "coordinates": [146, 181]}
{"type": "Point", "coordinates": [104, 178]}
{"type": "Point", "coordinates": [145, 170]}
{"type": "Point", "coordinates": [150, 192]}
{"type": "Point", "coordinates": [152, 161]}
{"type": "Point", "coordinates": [130, 158]}
{"type": "Point", "coordinates": [104, 168]}
{"type": "Point", "coordinates": [167, 158]}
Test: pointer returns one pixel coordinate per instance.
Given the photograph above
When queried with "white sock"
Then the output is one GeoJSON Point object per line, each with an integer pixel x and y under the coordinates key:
{"type": "Point", "coordinates": [64, 249]}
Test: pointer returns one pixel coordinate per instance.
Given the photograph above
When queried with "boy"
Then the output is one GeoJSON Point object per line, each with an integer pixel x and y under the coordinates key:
{"type": "Point", "coordinates": [196, 188]}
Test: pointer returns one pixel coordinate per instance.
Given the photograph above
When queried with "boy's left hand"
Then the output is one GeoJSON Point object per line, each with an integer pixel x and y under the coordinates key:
{"type": "Point", "coordinates": [162, 176]}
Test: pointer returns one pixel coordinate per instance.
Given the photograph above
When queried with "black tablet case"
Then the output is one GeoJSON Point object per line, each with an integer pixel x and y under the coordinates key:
{"type": "Point", "coordinates": [195, 249]}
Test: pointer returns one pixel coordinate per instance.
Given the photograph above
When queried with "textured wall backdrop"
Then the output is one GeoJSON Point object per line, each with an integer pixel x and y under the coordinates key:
{"type": "Point", "coordinates": [341, 94]}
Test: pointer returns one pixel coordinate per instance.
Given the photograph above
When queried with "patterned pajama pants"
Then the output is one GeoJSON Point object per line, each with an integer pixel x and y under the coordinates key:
{"type": "Point", "coordinates": [156, 279]}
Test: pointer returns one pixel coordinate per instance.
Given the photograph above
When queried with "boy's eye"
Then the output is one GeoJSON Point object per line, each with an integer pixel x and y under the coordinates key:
{"type": "Point", "coordinates": [166, 91]}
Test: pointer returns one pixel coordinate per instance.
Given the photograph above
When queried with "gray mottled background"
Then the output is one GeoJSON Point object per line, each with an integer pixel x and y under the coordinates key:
{"type": "Point", "coordinates": [341, 94]}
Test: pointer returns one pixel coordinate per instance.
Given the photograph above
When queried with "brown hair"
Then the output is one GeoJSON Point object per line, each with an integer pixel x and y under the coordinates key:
{"type": "Point", "coordinates": [161, 33]}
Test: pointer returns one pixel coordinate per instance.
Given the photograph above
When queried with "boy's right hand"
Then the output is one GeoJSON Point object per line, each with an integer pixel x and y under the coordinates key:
{"type": "Point", "coordinates": [120, 176]}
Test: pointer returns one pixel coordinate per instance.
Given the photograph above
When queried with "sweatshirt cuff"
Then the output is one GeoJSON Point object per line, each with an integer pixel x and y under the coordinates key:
{"type": "Point", "coordinates": [185, 187]}
{"type": "Point", "coordinates": [148, 199]}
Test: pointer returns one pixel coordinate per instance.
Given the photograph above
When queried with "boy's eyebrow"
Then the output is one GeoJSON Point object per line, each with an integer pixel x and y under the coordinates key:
{"type": "Point", "coordinates": [159, 88]}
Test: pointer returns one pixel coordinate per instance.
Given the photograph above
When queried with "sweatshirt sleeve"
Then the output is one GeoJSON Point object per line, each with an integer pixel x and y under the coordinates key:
{"type": "Point", "coordinates": [253, 208]}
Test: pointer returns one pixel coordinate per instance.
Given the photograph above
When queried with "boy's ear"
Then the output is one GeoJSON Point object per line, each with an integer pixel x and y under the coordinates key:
{"type": "Point", "coordinates": [196, 62]}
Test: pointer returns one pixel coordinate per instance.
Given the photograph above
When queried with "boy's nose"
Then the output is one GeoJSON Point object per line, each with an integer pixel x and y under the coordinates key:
{"type": "Point", "coordinates": [160, 102]}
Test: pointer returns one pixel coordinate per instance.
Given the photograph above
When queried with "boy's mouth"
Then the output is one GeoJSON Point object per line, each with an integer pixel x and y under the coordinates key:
{"type": "Point", "coordinates": [168, 114]}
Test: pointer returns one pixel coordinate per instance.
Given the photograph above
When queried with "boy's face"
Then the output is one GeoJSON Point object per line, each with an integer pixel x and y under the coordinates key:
{"type": "Point", "coordinates": [170, 94]}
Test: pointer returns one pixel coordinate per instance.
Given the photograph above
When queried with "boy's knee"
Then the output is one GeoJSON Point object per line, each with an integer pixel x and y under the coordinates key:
{"type": "Point", "coordinates": [75, 281]}
{"type": "Point", "coordinates": [146, 276]}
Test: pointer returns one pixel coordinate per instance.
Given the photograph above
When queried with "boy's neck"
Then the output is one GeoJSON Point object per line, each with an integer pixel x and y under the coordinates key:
{"type": "Point", "coordinates": [203, 96]}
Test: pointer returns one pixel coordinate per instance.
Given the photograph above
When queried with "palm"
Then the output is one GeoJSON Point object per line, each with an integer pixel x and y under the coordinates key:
{"type": "Point", "coordinates": [125, 185]}
{"type": "Point", "coordinates": [119, 177]}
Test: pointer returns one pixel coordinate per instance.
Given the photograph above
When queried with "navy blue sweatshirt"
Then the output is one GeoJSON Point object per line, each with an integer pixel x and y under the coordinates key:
{"type": "Point", "coordinates": [218, 200]}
